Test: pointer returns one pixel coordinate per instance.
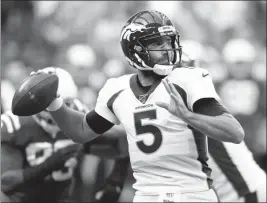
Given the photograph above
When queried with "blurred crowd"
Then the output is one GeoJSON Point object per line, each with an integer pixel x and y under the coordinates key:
{"type": "Point", "coordinates": [227, 38]}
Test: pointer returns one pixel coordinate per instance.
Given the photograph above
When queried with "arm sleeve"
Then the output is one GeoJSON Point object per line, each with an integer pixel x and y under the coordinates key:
{"type": "Point", "coordinates": [198, 86]}
{"type": "Point", "coordinates": [201, 87]}
{"type": "Point", "coordinates": [105, 101]}
{"type": "Point", "coordinates": [194, 84]}
{"type": "Point", "coordinates": [209, 107]}
{"type": "Point", "coordinates": [98, 123]}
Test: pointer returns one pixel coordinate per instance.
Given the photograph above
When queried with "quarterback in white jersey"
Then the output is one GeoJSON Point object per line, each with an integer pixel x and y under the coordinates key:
{"type": "Point", "coordinates": [236, 176]}
{"type": "Point", "coordinates": [164, 151]}
{"type": "Point", "coordinates": [158, 108]}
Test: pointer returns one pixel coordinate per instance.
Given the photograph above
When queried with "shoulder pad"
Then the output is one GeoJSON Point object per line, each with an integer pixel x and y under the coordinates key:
{"type": "Point", "coordinates": [188, 74]}
{"type": "Point", "coordinates": [122, 81]}
{"type": "Point", "coordinates": [114, 85]}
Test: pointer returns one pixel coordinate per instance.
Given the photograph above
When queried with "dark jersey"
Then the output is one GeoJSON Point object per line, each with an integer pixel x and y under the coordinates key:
{"type": "Point", "coordinates": [26, 144]}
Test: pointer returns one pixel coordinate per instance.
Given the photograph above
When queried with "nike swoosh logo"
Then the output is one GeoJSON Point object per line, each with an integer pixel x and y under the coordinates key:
{"type": "Point", "coordinates": [204, 74]}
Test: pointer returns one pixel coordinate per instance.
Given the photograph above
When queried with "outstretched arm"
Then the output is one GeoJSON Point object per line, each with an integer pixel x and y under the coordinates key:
{"type": "Point", "coordinates": [223, 126]}
{"type": "Point", "coordinates": [78, 126]}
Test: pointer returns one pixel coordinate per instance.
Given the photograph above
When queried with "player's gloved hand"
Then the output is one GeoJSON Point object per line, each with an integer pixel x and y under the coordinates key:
{"type": "Point", "coordinates": [58, 101]}
{"type": "Point", "coordinates": [58, 159]}
{"type": "Point", "coordinates": [110, 193]}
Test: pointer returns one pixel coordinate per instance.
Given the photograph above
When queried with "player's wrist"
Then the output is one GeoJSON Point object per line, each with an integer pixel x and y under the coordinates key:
{"type": "Point", "coordinates": [56, 104]}
{"type": "Point", "coordinates": [189, 116]}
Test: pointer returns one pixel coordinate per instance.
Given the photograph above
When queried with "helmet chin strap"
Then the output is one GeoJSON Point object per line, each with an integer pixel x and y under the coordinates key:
{"type": "Point", "coordinates": [163, 69]}
{"type": "Point", "coordinates": [158, 69]}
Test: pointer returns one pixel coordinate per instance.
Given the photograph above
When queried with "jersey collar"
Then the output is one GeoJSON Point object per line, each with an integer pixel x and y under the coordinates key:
{"type": "Point", "coordinates": [137, 90]}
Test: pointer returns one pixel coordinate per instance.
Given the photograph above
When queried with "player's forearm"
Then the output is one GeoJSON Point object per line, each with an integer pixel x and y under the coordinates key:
{"type": "Point", "coordinates": [223, 127]}
{"type": "Point", "coordinates": [73, 124]}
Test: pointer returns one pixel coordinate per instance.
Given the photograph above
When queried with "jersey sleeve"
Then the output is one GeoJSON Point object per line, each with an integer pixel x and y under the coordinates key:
{"type": "Point", "coordinates": [105, 100]}
{"type": "Point", "coordinates": [197, 83]}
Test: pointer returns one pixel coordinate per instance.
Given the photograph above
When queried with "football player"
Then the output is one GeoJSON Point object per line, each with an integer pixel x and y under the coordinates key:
{"type": "Point", "coordinates": [33, 172]}
{"type": "Point", "coordinates": [37, 159]}
{"type": "Point", "coordinates": [159, 108]}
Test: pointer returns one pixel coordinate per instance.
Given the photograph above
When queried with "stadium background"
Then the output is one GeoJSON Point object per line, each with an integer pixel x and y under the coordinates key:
{"type": "Point", "coordinates": [83, 38]}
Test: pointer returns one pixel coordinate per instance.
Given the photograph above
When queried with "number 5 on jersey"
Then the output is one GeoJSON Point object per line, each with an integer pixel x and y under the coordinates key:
{"type": "Point", "coordinates": [142, 129]}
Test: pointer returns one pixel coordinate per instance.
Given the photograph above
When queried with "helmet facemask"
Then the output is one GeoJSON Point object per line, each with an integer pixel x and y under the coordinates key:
{"type": "Point", "coordinates": [173, 51]}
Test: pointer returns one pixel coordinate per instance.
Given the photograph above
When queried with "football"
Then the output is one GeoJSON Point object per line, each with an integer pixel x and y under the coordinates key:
{"type": "Point", "coordinates": [35, 94]}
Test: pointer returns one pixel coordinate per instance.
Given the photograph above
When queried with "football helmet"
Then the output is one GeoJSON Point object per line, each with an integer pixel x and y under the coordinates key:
{"type": "Point", "coordinates": [140, 30]}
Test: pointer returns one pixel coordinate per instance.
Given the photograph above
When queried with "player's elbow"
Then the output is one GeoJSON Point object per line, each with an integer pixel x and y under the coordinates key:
{"type": "Point", "coordinates": [233, 129]}
{"type": "Point", "coordinates": [238, 135]}
{"type": "Point", "coordinates": [241, 135]}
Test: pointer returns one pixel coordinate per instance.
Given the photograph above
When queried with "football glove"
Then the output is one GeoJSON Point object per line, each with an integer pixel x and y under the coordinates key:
{"type": "Point", "coordinates": [66, 86]}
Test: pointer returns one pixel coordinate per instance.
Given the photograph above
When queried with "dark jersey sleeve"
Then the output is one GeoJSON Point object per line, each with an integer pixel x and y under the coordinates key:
{"type": "Point", "coordinates": [98, 123]}
{"type": "Point", "coordinates": [209, 107]}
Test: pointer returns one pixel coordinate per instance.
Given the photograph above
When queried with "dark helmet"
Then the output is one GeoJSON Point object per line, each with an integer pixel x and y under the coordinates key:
{"type": "Point", "coordinates": [140, 30]}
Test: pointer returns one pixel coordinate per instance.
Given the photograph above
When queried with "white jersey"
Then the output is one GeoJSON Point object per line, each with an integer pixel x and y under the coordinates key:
{"type": "Point", "coordinates": [234, 170]}
{"type": "Point", "coordinates": [164, 151]}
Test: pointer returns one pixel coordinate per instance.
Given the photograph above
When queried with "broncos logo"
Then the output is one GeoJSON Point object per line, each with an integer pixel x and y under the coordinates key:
{"type": "Point", "coordinates": [131, 28]}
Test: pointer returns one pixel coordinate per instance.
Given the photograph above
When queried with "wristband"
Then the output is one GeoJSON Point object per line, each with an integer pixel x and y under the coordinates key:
{"type": "Point", "coordinates": [55, 105]}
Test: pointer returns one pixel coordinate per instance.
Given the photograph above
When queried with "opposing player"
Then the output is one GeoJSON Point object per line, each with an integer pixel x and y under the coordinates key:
{"type": "Point", "coordinates": [37, 159]}
{"type": "Point", "coordinates": [159, 110]}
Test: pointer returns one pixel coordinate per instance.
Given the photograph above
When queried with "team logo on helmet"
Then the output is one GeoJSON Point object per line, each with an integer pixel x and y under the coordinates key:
{"type": "Point", "coordinates": [131, 28]}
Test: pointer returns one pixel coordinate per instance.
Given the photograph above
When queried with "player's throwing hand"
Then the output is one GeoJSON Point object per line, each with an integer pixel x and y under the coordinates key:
{"type": "Point", "coordinates": [176, 106]}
